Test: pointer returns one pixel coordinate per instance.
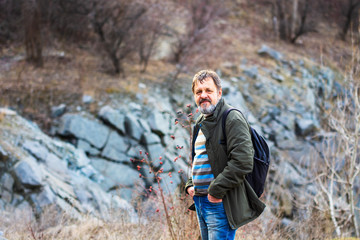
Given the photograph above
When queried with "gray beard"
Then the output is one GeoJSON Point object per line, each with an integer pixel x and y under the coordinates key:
{"type": "Point", "coordinates": [209, 110]}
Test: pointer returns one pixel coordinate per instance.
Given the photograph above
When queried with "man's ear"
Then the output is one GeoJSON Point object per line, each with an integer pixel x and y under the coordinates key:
{"type": "Point", "coordinates": [220, 92]}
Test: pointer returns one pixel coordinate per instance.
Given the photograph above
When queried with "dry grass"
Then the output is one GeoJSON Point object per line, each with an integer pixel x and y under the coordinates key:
{"type": "Point", "coordinates": [20, 224]}
{"type": "Point", "coordinates": [65, 78]}
{"type": "Point", "coordinates": [152, 224]}
{"type": "Point", "coordinates": [51, 225]}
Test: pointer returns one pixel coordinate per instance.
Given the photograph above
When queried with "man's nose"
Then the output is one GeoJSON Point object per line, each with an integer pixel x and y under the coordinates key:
{"type": "Point", "coordinates": [203, 94]}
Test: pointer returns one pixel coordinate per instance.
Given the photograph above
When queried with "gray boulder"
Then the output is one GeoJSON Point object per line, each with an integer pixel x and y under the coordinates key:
{"type": "Point", "coordinates": [132, 127]}
{"type": "Point", "coordinates": [234, 97]}
{"type": "Point", "coordinates": [94, 199]}
{"type": "Point", "coordinates": [87, 99]}
{"type": "Point", "coordinates": [269, 52]}
{"type": "Point", "coordinates": [144, 125]}
{"type": "Point", "coordinates": [149, 138]}
{"type": "Point", "coordinates": [155, 152]}
{"type": "Point", "coordinates": [27, 173]}
{"type": "Point", "coordinates": [42, 154]}
{"type": "Point", "coordinates": [36, 149]}
{"type": "Point", "coordinates": [115, 148]}
{"type": "Point", "coordinates": [266, 90]}
{"type": "Point", "coordinates": [309, 100]}
{"type": "Point", "coordinates": [286, 119]}
{"type": "Point", "coordinates": [305, 127]}
{"type": "Point", "coordinates": [117, 174]}
{"type": "Point", "coordinates": [55, 163]}
{"type": "Point", "coordinates": [113, 117]}
{"type": "Point", "coordinates": [290, 177]}
{"type": "Point", "coordinates": [160, 123]}
{"type": "Point", "coordinates": [251, 72]}
{"type": "Point", "coordinates": [83, 128]}
{"type": "Point", "coordinates": [45, 198]}
{"type": "Point", "coordinates": [178, 142]}
{"type": "Point", "coordinates": [6, 182]}
{"type": "Point", "coordinates": [57, 111]}
{"type": "Point", "coordinates": [84, 145]}
{"type": "Point", "coordinates": [6, 196]}
{"type": "Point", "coordinates": [289, 144]}
{"type": "Point", "coordinates": [325, 82]}
{"type": "Point", "coordinates": [277, 77]}
{"type": "Point", "coordinates": [81, 159]}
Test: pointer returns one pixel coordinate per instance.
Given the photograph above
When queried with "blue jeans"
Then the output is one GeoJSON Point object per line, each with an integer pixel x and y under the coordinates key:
{"type": "Point", "coordinates": [212, 220]}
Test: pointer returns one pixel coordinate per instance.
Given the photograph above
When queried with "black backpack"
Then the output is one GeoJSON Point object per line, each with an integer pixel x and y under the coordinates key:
{"type": "Point", "coordinates": [261, 157]}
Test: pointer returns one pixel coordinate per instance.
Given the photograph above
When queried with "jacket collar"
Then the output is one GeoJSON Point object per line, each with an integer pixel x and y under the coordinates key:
{"type": "Point", "coordinates": [217, 112]}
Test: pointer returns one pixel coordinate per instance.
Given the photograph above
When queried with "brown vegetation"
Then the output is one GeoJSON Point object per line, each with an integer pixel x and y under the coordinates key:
{"type": "Point", "coordinates": [83, 64]}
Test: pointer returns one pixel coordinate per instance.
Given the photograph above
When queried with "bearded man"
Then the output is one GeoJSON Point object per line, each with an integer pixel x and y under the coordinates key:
{"type": "Point", "coordinates": [223, 199]}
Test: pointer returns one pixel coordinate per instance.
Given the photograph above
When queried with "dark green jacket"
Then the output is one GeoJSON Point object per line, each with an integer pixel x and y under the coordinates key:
{"type": "Point", "coordinates": [230, 164]}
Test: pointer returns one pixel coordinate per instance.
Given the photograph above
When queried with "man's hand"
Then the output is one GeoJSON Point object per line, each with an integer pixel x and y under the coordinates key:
{"type": "Point", "coordinates": [214, 199]}
{"type": "Point", "coordinates": [191, 191]}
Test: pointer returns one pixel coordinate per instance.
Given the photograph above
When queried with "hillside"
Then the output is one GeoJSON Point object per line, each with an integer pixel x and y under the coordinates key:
{"type": "Point", "coordinates": [71, 71]}
{"type": "Point", "coordinates": [94, 124]}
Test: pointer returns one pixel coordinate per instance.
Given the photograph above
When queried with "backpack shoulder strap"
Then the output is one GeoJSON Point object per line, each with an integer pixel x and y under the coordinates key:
{"type": "Point", "coordinates": [224, 116]}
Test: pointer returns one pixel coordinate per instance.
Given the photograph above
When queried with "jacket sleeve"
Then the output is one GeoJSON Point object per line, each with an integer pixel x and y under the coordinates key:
{"type": "Point", "coordinates": [188, 184]}
{"type": "Point", "coordinates": [240, 154]}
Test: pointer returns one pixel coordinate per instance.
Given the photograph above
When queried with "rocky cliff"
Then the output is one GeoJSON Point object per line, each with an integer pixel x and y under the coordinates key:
{"type": "Point", "coordinates": [90, 163]}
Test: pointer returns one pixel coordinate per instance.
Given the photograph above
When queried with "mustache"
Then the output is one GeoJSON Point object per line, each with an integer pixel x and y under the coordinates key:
{"type": "Point", "coordinates": [204, 100]}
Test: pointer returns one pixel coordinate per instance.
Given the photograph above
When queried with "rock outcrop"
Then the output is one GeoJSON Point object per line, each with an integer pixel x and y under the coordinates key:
{"type": "Point", "coordinates": [94, 162]}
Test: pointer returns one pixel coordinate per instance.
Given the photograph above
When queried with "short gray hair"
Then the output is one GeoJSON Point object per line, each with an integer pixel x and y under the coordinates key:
{"type": "Point", "coordinates": [204, 74]}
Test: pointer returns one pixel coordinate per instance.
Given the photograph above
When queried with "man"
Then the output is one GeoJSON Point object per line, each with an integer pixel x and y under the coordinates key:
{"type": "Point", "coordinates": [223, 199]}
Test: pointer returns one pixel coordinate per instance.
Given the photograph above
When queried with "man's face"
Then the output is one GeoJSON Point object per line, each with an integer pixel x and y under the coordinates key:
{"type": "Point", "coordinates": [206, 95]}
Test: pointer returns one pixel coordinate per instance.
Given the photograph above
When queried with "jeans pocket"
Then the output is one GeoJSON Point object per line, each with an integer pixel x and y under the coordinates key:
{"type": "Point", "coordinates": [212, 202]}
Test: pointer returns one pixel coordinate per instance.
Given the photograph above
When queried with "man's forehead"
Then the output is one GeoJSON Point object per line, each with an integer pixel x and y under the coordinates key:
{"type": "Point", "coordinates": [204, 80]}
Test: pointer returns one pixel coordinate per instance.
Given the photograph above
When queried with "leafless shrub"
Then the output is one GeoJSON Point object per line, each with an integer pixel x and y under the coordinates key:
{"type": "Point", "coordinates": [10, 20]}
{"type": "Point", "coordinates": [350, 12]}
{"type": "Point", "coordinates": [115, 24]}
{"type": "Point", "coordinates": [151, 27]}
{"type": "Point", "coordinates": [345, 14]}
{"type": "Point", "coordinates": [338, 172]}
{"type": "Point", "coordinates": [200, 16]}
{"type": "Point", "coordinates": [68, 19]}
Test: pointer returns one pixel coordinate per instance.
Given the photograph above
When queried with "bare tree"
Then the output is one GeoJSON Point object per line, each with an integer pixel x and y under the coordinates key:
{"type": "Point", "coordinates": [200, 15]}
{"type": "Point", "coordinates": [292, 19]}
{"type": "Point", "coordinates": [32, 20]}
{"type": "Point", "coordinates": [115, 24]}
{"type": "Point", "coordinates": [147, 42]}
{"type": "Point", "coordinates": [344, 13]}
{"type": "Point", "coordinates": [151, 27]}
{"type": "Point", "coordinates": [350, 12]}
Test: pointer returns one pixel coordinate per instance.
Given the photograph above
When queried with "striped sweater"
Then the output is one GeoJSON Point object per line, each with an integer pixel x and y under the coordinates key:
{"type": "Point", "coordinates": [201, 169]}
